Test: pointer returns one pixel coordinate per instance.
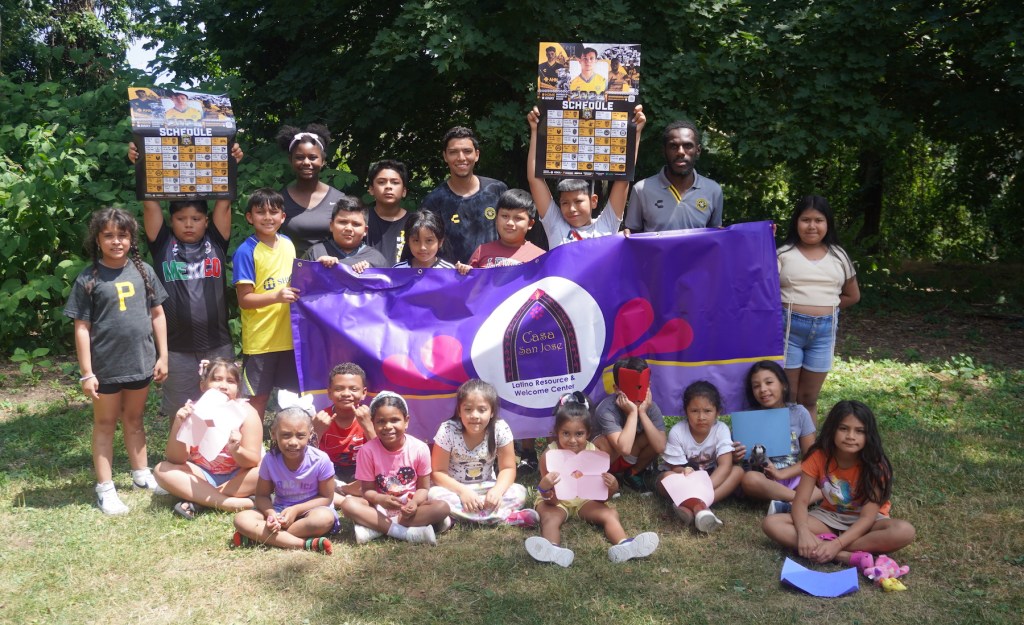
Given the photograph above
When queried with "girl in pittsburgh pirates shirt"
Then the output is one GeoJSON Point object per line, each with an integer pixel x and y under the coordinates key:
{"type": "Point", "coordinates": [121, 341]}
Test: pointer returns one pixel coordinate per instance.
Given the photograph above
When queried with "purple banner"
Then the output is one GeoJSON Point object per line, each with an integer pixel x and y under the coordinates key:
{"type": "Point", "coordinates": [697, 304]}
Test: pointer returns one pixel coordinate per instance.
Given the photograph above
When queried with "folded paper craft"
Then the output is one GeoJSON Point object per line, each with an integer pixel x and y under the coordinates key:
{"type": "Point", "coordinates": [209, 426]}
{"type": "Point", "coordinates": [763, 427]}
{"type": "Point", "coordinates": [817, 583]}
{"type": "Point", "coordinates": [695, 485]}
{"type": "Point", "coordinates": [580, 475]}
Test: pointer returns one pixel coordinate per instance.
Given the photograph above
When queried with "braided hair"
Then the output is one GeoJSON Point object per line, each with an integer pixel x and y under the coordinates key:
{"type": "Point", "coordinates": [287, 414]}
{"type": "Point", "coordinates": [120, 220]}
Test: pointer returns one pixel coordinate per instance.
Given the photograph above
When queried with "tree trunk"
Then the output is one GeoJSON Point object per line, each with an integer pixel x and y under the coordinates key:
{"type": "Point", "coordinates": [870, 175]}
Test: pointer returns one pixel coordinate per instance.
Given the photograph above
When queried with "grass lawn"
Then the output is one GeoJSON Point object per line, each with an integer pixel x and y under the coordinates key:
{"type": "Point", "coordinates": [953, 430]}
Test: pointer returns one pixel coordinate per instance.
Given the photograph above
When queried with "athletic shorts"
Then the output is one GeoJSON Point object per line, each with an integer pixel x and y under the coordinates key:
{"type": "Point", "coordinates": [116, 387]}
{"type": "Point", "coordinates": [182, 383]}
{"type": "Point", "coordinates": [262, 373]}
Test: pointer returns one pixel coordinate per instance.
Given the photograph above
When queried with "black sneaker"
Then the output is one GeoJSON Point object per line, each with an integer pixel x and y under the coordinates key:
{"type": "Point", "coordinates": [635, 482]}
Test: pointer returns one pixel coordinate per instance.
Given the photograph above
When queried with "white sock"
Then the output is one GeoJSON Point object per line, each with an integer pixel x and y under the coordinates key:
{"type": "Point", "coordinates": [140, 475]}
{"type": "Point", "coordinates": [398, 531]}
{"type": "Point", "coordinates": [102, 487]}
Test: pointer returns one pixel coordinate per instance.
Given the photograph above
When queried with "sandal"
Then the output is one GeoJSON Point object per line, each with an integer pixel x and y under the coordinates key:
{"type": "Point", "coordinates": [240, 540]}
{"type": "Point", "coordinates": [321, 545]}
{"type": "Point", "coordinates": [186, 509]}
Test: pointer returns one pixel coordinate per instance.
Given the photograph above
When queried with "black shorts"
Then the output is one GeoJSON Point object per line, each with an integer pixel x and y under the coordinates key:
{"type": "Point", "coordinates": [345, 474]}
{"type": "Point", "coordinates": [117, 387]}
{"type": "Point", "coordinates": [262, 373]}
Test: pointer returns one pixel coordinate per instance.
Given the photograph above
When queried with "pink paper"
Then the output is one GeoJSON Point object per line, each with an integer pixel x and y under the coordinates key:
{"type": "Point", "coordinates": [209, 426]}
{"type": "Point", "coordinates": [580, 475]}
{"type": "Point", "coordinates": [682, 487]}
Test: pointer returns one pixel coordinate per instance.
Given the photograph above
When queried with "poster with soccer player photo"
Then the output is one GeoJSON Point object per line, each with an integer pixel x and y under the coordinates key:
{"type": "Point", "coordinates": [586, 95]}
{"type": "Point", "coordinates": [184, 141]}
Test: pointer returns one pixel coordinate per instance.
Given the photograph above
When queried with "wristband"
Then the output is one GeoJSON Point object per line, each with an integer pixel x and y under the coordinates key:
{"type": "Point", "coordinates": [86, 377]}
{"type": "Point", "coordinates": [544, 491]}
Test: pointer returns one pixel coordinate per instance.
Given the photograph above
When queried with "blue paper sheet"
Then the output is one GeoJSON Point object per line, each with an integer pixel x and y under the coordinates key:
{"type": "Point", "coordinates": [763, 427]}
{"type": "Point", "coordinates": [819, 584]}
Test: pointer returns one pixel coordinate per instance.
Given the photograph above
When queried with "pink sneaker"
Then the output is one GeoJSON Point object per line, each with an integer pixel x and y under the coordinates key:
{"type": "Point", "coordinates": [527, 517]}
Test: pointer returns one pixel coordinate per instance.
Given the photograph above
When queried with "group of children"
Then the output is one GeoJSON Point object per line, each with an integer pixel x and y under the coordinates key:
{"type": "Point", "coordinates": [358, 459]}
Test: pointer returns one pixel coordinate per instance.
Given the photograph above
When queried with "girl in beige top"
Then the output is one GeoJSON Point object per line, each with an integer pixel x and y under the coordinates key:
{"type": "Point", "coordinates": [817, 279]}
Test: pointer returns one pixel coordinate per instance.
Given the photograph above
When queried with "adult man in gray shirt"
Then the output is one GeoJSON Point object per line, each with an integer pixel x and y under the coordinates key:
{"type": "Point", "coordinates": [677, 197]}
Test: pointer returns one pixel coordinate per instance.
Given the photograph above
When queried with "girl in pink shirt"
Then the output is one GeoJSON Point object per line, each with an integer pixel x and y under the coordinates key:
{"type": "Point", "coordinates": [394, 471]}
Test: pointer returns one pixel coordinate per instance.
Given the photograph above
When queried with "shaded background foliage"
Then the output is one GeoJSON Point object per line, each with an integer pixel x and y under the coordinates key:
{"type": "Point", "coordinates": [906, 114]}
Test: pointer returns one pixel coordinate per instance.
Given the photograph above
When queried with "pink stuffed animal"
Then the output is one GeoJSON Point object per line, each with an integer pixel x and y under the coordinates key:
{"type": "Point", "coordinates": [863, 560]}
{"type": "Point", "coordinates": [881, 568]}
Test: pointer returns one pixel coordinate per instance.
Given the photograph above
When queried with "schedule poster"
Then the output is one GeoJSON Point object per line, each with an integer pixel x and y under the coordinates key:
{"type": "Point", "coordinates": [586, 93]}
{"type": "Point", "coordinates": [184, 140]}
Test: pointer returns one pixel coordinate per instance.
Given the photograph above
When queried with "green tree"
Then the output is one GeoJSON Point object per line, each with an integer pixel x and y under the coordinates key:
{"type": "Point", "coordinates": [783, 88]}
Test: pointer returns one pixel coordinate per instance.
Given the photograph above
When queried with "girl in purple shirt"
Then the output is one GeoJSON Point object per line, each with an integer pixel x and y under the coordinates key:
{"type": "Point", "coordinates": [301, 478]}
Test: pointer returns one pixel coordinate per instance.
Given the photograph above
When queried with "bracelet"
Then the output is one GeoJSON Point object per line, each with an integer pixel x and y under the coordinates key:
{"type": "Point", "coordinates": [86, 377]}
{"type": "Point", "coordinates": [544, 491]}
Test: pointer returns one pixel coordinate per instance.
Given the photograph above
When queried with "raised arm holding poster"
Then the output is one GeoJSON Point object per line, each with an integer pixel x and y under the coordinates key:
{"type": "Point", "coordinates": [184, 140]}
{"type": "Point", "coordinates": [586, 93]}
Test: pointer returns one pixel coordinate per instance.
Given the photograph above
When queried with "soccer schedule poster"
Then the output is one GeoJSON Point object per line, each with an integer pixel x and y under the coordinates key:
{"type": "Point", "coordinates": [184, 140]}
{"type": "Point", "coordinates": [586, 96]}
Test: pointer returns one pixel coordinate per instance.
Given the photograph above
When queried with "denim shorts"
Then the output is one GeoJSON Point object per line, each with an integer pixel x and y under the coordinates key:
{"type": "Point", "coordinates": [810, 341]}
{"type": "Point", "coordinates": [217, 479]}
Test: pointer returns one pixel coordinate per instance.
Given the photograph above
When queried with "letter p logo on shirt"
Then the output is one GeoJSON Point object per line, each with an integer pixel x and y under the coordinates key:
{"type": "Point", "coordinates": [124, 291]}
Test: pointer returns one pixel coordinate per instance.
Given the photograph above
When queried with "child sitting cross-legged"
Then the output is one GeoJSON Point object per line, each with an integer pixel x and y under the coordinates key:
{"type": "Point", "coordinates": [851, 523]}
{"type": "Point", "coordinates": [227, 481]}
{"type": "Point", "coordinates": [301, 479]}
{"type": "Point", "coordinates": [394, 471]}
{"type": "Point", "coordinates": [465, 450]}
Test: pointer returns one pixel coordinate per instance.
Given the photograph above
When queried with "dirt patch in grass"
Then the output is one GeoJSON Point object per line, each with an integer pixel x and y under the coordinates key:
{"type": "Point", "coordinates": [937, 311]}
{"type": "Point", "coordinates": [916, 337]}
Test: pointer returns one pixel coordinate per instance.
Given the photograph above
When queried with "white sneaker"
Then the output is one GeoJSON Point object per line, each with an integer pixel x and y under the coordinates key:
{"type": "Point", "coordinates": [419, 535]}
{"type": "Point", "coordinates": [365, 534]}
{"type": "Point", "coordinates": [144, 479]}
{"type": "Point", "coordinates": [779, 507]}
{"type": "Point", "coordinates": [542, 550]}
{"type": "Point", "coordinates": [706, 521]}
{"type": "Point", "coordinates": [107, 500]}
{"type": "Point", "coordinates": [640, 546]}
{"type": "Point", "coordinates": [443, 526]}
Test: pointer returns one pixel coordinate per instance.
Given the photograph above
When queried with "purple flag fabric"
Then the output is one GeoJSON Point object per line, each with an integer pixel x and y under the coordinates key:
{"type": "Point", "coordinates": [697, 304]}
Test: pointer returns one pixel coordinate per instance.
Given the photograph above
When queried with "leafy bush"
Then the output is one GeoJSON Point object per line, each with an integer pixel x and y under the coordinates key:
{"type": "Point", "coordinates": [54, 170]}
